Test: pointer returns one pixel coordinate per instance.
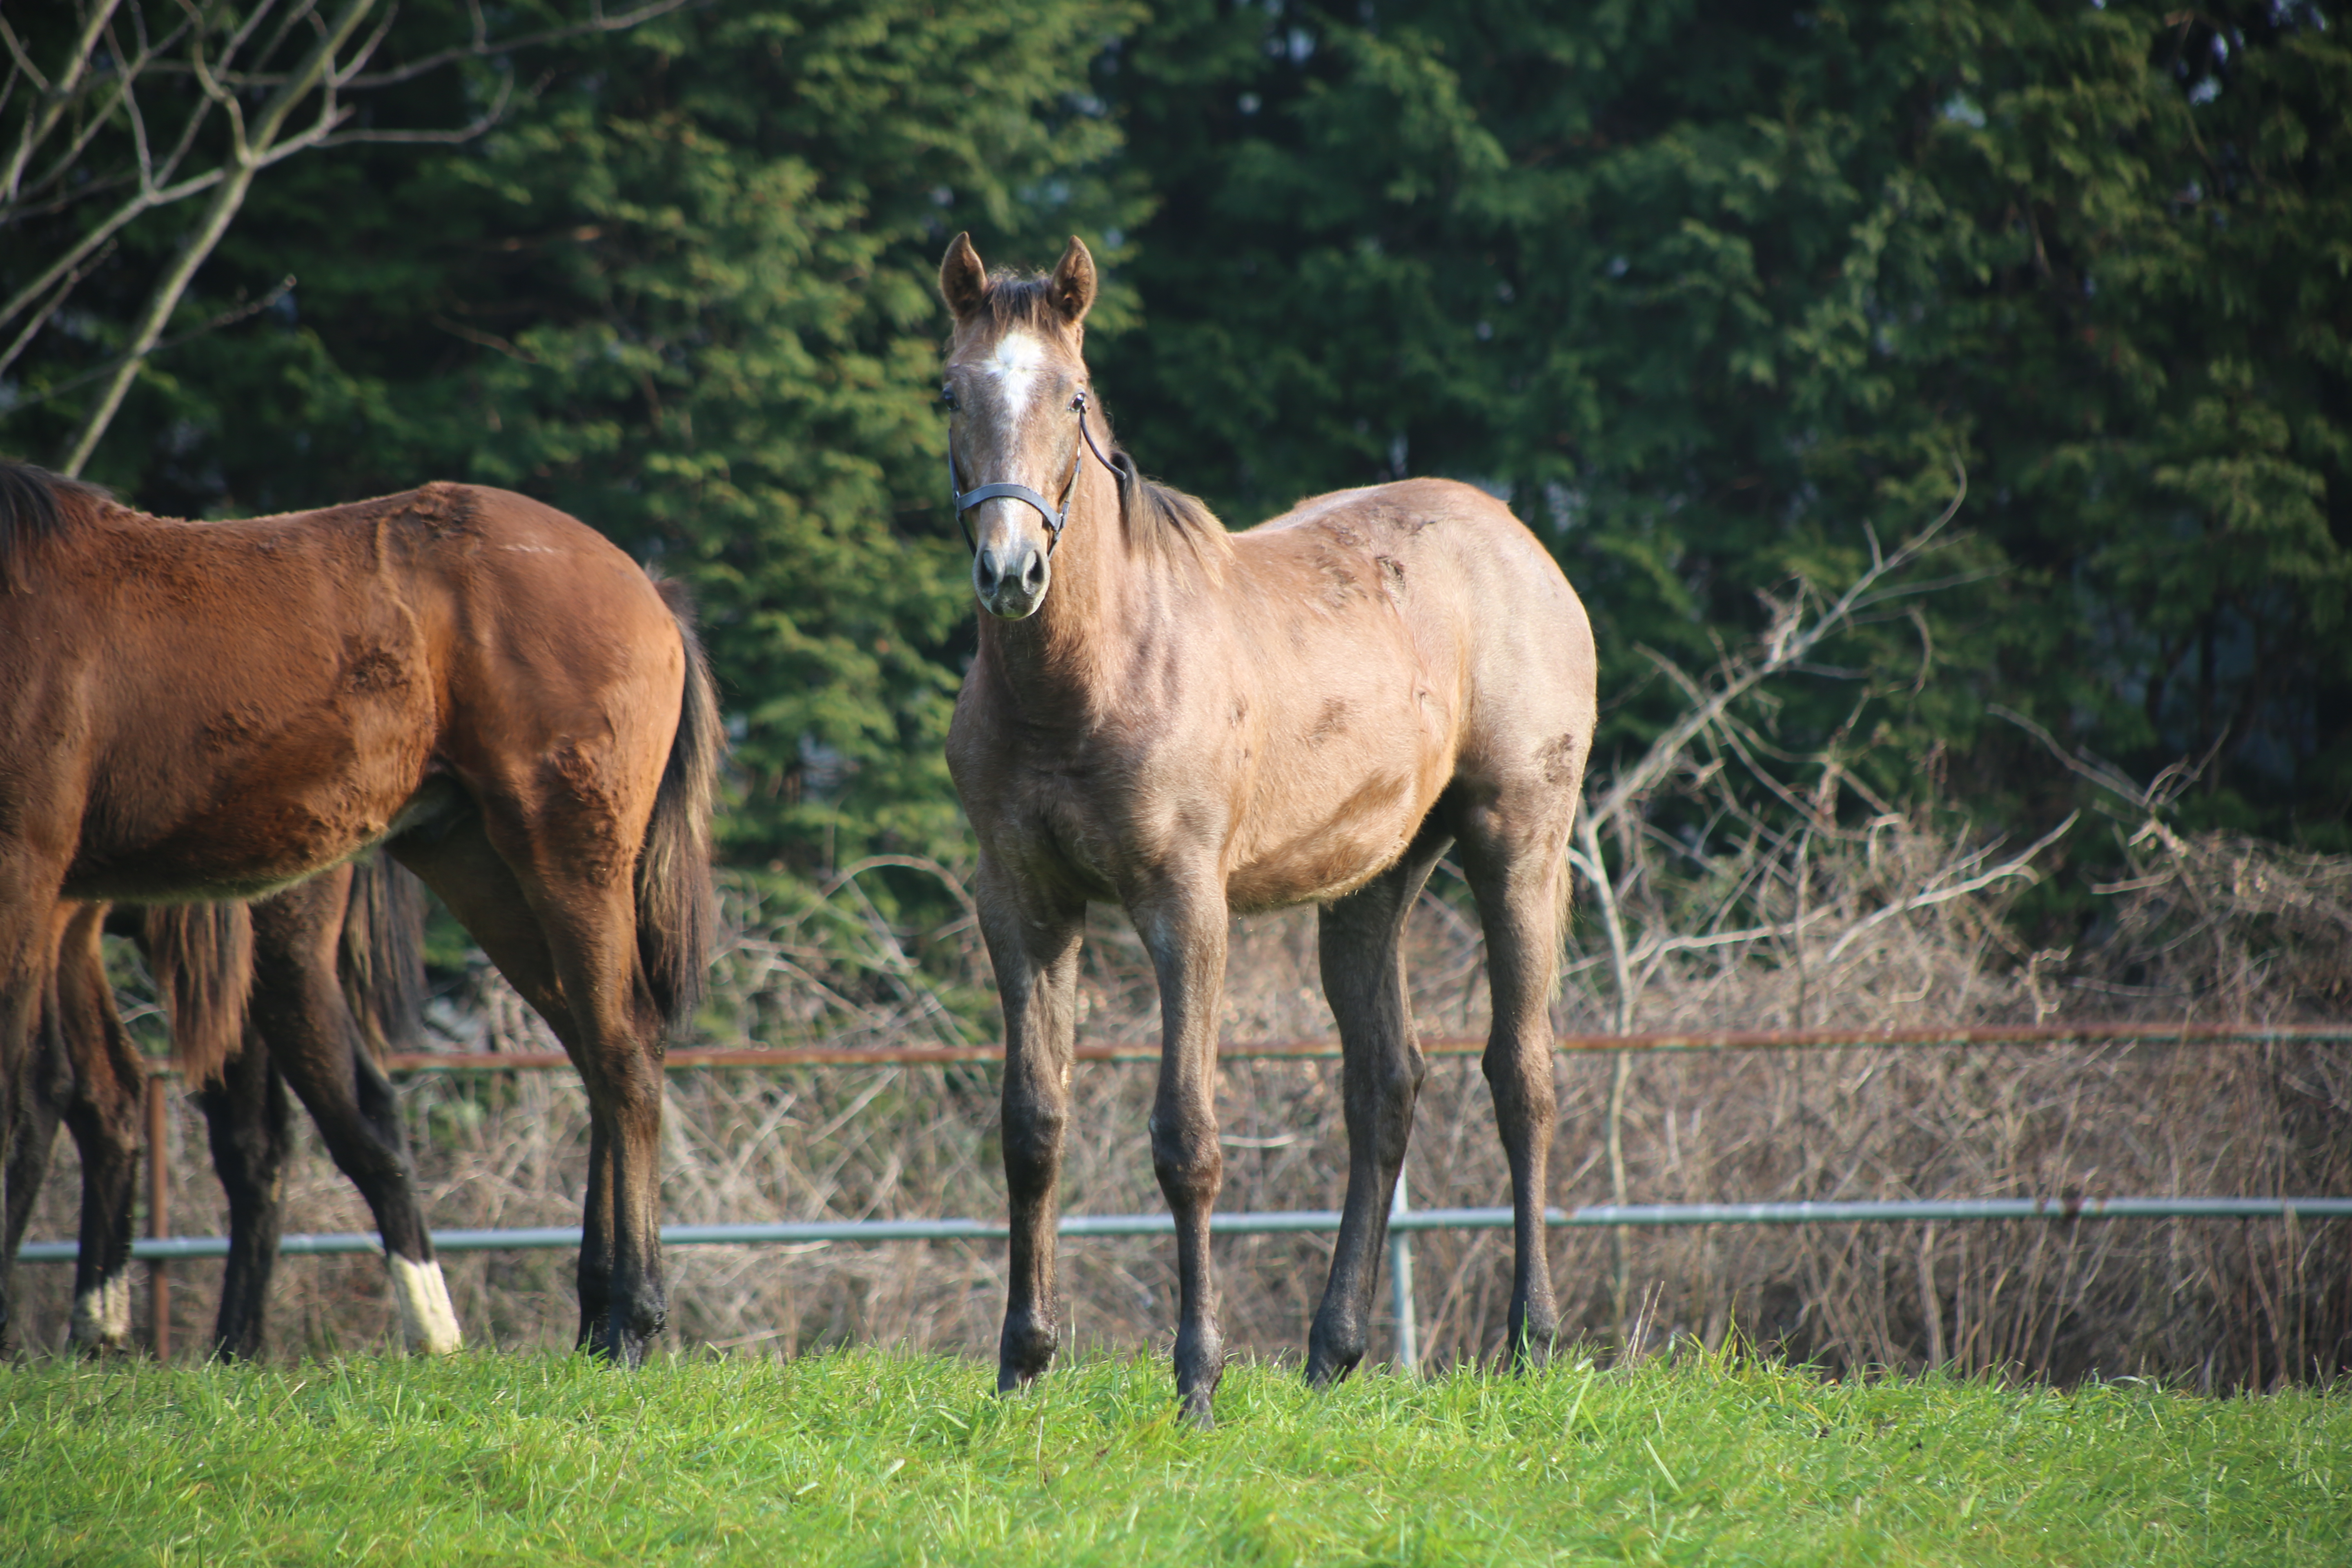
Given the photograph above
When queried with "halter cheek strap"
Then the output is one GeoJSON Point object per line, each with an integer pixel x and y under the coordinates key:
{"type": "Point", "coordinates": [1057, 519]}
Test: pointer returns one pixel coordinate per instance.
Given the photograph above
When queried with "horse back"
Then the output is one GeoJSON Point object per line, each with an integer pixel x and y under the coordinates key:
{"type": "Point", "coordinates": [240, 704]}
{"type": "Point", "coordinates": [1438, 604]}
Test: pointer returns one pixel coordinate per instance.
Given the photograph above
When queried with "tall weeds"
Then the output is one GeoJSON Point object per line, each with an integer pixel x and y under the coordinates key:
{"type": "Point", "coordinates": [2210, 929]}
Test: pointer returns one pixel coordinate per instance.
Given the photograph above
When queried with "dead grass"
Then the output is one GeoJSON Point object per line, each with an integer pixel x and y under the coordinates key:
{"type": "Point", "coordinates": [2208, 929]}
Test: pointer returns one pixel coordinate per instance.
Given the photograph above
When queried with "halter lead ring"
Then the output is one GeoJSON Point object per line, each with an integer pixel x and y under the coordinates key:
{"type": "Point", "coordinates": [1056, 520]}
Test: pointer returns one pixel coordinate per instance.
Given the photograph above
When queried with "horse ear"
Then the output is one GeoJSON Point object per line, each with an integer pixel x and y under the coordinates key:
{"type": "Point", "coordinates": [963, 281]}
{"type": "Point", "coordinates": [1073, 287]}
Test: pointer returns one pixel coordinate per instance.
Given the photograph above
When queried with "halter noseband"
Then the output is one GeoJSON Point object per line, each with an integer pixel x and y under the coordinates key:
{"type": "Point", "coordinates": [1056, 520]}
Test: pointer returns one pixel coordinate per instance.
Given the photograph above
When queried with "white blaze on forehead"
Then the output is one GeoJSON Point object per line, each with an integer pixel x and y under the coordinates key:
{"type": "Point", "coordinates": [1013, 365]}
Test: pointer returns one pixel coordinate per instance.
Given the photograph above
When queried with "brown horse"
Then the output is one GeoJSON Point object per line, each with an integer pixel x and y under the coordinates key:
{"type": "Point", "coordinates": [1194, 724]}
{"type": "Point", "coordinates": [299, 989]}
{"type": "Point", "coordinates": [486, 687]}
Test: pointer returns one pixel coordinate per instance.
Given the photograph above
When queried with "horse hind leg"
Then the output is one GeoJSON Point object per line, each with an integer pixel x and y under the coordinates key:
{"type": "Point", "coordinates": [251, 1128]}
{"type": "Point", "coordinates": [1514, 853]}
{"type": "Point", "coordinates": [41, 1100]}
{"type": "Point", "coordinates": [1361, 941]}
{"type": "Point", "coordinates": [299, 1009]}
{"type": "Point", "coordinates": [567, 943]}
{"type": "Point", "coordinates": [100, 1097]}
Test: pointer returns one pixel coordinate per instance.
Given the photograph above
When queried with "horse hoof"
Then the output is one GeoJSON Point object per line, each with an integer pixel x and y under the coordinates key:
{"type": "Point", "coordinates": [1331, 1357]}
{"type": "Point", "coordinates": [1532, 1342]}
{"type": "Point", "coordinates": [1026, 1351]}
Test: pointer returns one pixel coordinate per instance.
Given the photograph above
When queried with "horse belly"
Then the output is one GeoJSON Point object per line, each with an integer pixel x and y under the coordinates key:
{"type": "Point", "coordinates": [1322, 838]}
{"type": "Point", "coordinates": [245, 815]}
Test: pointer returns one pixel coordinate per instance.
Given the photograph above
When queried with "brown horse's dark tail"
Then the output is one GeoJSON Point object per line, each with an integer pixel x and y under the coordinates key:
{"type": "Point", "coordinates": [203, 958]}
{"type": "Point", "coordinates": [677, 910]}
{"type": "Point", "coordinates": [381, 958]}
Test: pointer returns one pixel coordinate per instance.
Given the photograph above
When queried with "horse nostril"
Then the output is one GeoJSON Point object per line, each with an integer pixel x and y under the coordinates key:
{"type": "Point", "coordinates": [984, 572]}
{"type": "Point", "coordinates": [1033, 573]}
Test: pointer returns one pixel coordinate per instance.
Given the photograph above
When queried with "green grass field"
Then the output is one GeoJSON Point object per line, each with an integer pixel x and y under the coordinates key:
{"type": "Point", "coordinates": [864, 1457]}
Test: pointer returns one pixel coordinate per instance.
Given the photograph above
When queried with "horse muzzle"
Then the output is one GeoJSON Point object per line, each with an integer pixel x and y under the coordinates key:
{"type": "Point", "coordinates": [1010, 579]}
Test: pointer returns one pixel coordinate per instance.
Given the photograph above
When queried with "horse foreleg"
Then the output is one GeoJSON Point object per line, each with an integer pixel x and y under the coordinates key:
{"type": "Point", "coordinates": [101, 1110]}
{"type": "Point", "coordinates": [42, 1097]}
{"type": "Point", "coordinates": [29, 928]}
{"type": "Point", "coordinates": [251, 1128]}
{"type": "Point", "coordinates": [1185, 931]}
{"type": "Point", "coordinates": [1514, 867]}
{"type": "Point", "coordinates": [299, 1009]}
{"type": "Point", "coordinates": [1361, 937]}
{"type": "Point", "coordinates": [1034, 946]}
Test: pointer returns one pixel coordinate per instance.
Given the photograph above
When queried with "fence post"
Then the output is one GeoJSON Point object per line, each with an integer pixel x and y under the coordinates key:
{"type": "Point", "coordinates": [1401, 1278]}
{"type": "Point", "coordinates": [159, 1211]}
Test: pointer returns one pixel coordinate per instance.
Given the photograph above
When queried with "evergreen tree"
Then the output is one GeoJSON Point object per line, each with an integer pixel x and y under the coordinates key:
{"type": "Point", "coordinates": [1705, 287]}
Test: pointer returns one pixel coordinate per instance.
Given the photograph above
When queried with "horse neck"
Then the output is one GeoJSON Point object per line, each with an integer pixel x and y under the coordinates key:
{"type": "Point", "coordinates": [1076, 649]}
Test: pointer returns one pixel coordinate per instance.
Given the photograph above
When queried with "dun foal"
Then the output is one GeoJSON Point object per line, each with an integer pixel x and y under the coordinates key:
{"type": "Point", "coordinates": [1192, 723]}
{"type": "Point", "coordinates": [218, 711]}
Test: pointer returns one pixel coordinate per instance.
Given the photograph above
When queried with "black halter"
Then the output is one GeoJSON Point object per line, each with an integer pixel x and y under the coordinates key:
{"type": "Point", "coordinates": [1056, 520]}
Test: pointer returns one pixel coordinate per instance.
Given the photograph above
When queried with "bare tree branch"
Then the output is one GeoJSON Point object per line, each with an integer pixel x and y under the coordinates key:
{"type": "Point", "coordinates": [41, 317]}
{"type": "Point", "coordinates": [226, 319]}
{"type": "Point", "coordinates": [226, 199]}
{"type": "Point", "coordinates": [57, 97]}
{"type": "Point", "coordinates": [2019, 865]}
{"type": "Point", "coordinates": [222, 58]}
{"type": "Point", "coordinates": [482, 48]}
{"type": "Point", "coordinates": [1786, 643]}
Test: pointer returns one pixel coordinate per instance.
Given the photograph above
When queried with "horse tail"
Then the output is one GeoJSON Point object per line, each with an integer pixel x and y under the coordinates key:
{"type": "Point", "coordinates": [201, 956]}
{"type": "Point", "coordinates": [676, 909]}
{"type": "Point", "coordinates": [380, 957]}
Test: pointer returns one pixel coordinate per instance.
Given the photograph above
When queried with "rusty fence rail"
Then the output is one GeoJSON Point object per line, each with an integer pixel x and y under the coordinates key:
{"type": "Point", "coordinates": [1446, 1046]}
{"type": "Point", "coordinates": [158, 1248]}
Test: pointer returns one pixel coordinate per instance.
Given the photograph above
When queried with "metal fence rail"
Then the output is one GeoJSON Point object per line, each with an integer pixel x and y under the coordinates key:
{"type": "Point", "coordinates": [1597, 1215]}
{"type": "Point", "coordinates": [690, 1060]}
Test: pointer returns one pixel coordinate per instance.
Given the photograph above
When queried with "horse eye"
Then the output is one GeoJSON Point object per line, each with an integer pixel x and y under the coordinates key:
{"type": "Point", "coordinates": [1078, 402]}
{"type": "Point", "coordinates": [946, 396]}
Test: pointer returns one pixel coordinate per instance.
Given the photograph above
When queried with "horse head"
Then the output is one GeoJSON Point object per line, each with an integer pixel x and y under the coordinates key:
{"type": "Point", "coordinates": [1017, 393]}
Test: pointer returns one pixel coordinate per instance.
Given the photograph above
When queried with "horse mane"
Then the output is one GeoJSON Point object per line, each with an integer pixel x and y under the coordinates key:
{"type": "Point", "coordinates": [1162, 515]}
{"type": "Point", "coordinates": [35, 505]}
{"type": "Point", "coordinates": [1023, 299]}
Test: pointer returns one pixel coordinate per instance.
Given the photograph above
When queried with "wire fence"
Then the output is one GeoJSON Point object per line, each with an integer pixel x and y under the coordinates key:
{"type": "Point", "coordinates": [160, 1248]}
